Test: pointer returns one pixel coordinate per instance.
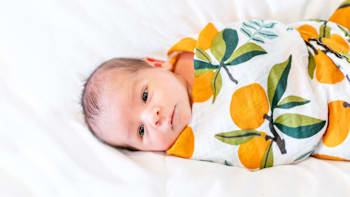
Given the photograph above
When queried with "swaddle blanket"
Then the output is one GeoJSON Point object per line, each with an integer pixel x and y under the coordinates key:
{"type": "Point", "coordinates": [267, 94]}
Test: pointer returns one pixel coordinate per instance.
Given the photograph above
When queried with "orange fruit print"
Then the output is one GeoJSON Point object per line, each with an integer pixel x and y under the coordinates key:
{"type": "Point", "coordinates": [339, 123]}
{"type": "Point", "coordinates": [225, 52]}
{"type": "Point", "coordinates": [201, 89]}
{"type": "Point", "coordinates": [251, 153]}
{"type": "Point", "coordinates": [326, 70]}
{"type": "Point", "coordinates": [337, 43]}
{"type": "Point", "coordinates": [249, 108]}
{"type": "Point", "coordinates": [251, 101]}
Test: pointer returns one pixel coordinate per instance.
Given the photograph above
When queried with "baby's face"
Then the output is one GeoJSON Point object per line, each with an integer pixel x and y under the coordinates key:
{"type": "Point", "coordinates": [146, 109]}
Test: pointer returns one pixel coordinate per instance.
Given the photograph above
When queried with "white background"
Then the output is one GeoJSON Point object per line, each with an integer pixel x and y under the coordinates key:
{"type": "Point", "coordinates": [47, 50]}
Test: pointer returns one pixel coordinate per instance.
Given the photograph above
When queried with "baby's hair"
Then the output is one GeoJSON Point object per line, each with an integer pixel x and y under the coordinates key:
{"type": "Point", "coordinates": [90, 100]}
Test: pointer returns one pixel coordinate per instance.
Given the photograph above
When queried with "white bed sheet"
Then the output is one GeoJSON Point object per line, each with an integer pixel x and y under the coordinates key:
{"type": "Point", "coordinates": [47, 50]}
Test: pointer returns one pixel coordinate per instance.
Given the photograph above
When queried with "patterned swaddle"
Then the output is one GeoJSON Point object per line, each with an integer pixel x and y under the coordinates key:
{"type": "Point", "coordinates": [267, 94]}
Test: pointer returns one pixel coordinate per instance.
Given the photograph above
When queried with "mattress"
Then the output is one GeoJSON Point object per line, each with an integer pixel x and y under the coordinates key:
{"type": "Point", "coordinates": [47, 50]}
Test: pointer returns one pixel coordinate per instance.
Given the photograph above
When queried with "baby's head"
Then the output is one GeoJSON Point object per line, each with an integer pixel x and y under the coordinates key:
{"type": "Point", "coordinates": [136, 103]}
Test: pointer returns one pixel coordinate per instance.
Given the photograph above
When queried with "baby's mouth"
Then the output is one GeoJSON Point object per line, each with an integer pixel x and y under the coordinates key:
{"type": "Point", "coordinates": [172, 117]}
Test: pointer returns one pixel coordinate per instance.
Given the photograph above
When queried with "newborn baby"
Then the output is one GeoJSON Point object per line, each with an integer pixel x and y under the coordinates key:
{"type": "Point", "coordinates": [142, 104]}
{"type": "Point", "coordinates": [253, 94]}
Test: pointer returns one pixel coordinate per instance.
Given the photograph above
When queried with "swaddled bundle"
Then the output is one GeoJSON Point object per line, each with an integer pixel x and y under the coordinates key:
{"type": "Point", "coordinates": [267, 94]}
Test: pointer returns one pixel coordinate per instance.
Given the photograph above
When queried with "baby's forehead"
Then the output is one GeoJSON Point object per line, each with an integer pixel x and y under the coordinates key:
{"type": "Point", "coordinates": [117, 77]}
{"type": "Point", "coordinates": [116, 104]}
{"type": "Point", "coordinates": [117, 87]}
{"type": "Point", "coordinates": [107, 75]}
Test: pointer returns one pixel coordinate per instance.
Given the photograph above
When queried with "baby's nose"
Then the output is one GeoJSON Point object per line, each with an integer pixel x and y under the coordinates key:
{"type": "Point", "coordinates": [155, 116]}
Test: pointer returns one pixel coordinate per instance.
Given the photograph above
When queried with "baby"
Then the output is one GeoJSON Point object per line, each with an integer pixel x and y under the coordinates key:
{"type": "Point", "coordinates": [141, 104]}
{"type": "Point", "coordinates": [253, 94]}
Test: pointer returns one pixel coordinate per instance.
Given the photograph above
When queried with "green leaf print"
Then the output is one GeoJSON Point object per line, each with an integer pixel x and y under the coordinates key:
{"type": "Point", "coordinates": [224, 43]}
{"type": "Point", "coordinates": [317, 20]}
{"type": "Point", "coordinates": [245, 53]}
{"type": "Point", "coordinates": [303, 156]}
{"type": "Point", "coordinates": [231, 41]}
{"type": "Point", "coordinates": [246, 32]}
{"type": "Point", "coordinates": [267, 160]}
{"type": "Point", "coordinates": [202, 65]}
{"type": "Point", "coordinates": [270, 25]}
{"type": "Point", "coordinates": [292, 101]}
{"type": "Point", "coordinates": [216, 84]}
{"type": "Point", "coordinates": [347, 56]}
{"type": "Point", "coordinates": [257, 39]}
{"type": "Point", "coordinates": [223, 49]}
{"type": "Point", "coordinates": [267, 34]}
{"type": "Point", "coordinates": [345, 4]}
{"type": "Point", "coordinates": [248, 25]}
{"type": "Point", "coordinates": [277, 81]}
{"type": "Point", "coordinates": [237, 137]}
{"type": "Point", "coordinates": [218, 47]}
{"type": "Point", "coordinates": [298, 125]}
{"type": "Point", "coordinates": [345, 31]}
{"type": "Point", "coordinates": [252, 29]}
{"type": "Point", "coordinates": [325, 31]}
{"type": "Point", "coordinates": [202, 55]}
{"type": "Point", "coordinates": [228, 163]}
{"type": "Point", "coordinates": [200, 72]}
{"type": "Point", "coordinates": [207, 160]}
{"type": "Point", "coordinates": [312, 65]}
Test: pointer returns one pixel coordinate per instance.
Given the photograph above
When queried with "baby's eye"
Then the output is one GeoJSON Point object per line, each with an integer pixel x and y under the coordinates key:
{"type": "Point", "coordinates": [141, 130]}
{"type": "Point", "coordinates": [145, 95]}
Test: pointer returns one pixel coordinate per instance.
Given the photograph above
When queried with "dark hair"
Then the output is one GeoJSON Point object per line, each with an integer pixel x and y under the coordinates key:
{"type": "Point", "coordinates": [90, 99]}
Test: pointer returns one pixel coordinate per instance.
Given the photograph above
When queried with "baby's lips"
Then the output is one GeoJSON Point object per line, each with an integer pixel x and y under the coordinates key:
{"type": "Point", "coordinates": [172, 116]}
{"type": "Point", "coordinates": [169, 122]}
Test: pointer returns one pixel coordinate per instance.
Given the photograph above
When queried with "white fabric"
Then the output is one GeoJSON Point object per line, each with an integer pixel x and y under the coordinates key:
{"type": "Point", "coordinates": [48, 48]}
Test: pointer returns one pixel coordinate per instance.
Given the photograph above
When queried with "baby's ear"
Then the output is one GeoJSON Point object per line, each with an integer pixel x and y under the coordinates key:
{"type": "Point", "coordinates": [158, 63]}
